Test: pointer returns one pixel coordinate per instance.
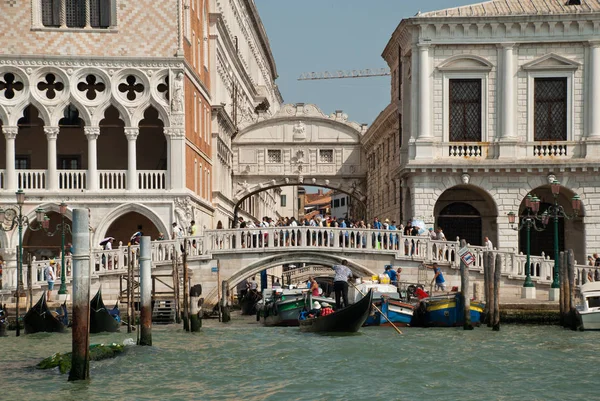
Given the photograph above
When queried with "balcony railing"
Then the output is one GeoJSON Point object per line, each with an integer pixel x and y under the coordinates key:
{"type": "Point", "coordinates": [31, 179]}
{"type": "Point", "coordinates": [152, 179]}
{"type": "Point", "coordinates": [72, 179]}
{"type": "Point", "coordinates": [112, 179]}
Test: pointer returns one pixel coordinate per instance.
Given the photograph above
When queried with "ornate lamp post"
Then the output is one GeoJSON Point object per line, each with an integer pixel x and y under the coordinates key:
{"type": "Point", "coordinates": [63, 228]}
{"type": "Point", "coordinates": [10, 218]}
{"type": "Point", "coordinates": [528, 221]}
{"type": "Point", "coordinates": [555, 212]}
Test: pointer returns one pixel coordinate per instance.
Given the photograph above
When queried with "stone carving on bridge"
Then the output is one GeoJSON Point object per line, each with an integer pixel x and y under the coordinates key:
{"type": "Point", "coordinates": [184, 212]}
{"type": "Point", "coordinates": [299, 131]}
{"type": "Point", "coordinates": [301, 179]}
{"type": "Point", "coordinates": [465, 178]}
{"type": "Point", "coordinates": [551, 178]}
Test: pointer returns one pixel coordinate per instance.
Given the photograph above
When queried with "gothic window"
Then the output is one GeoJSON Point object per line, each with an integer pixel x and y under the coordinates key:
{"type": "Point", "coordinates": [274, 156]}
{"type": "Point", "coordinates": [550, 121]}
{"type": "Point", "coordinates": [75, 16]}
{"type": "Point", "coordinates": [326, 156]}
{"type": "Point", "coordinates": [465, 110]}
{"type": "Point", "coordinates": [100, 11]}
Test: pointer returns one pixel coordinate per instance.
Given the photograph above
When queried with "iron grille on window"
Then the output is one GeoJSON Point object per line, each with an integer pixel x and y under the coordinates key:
{"type": "Point", "coordinates": [465, 110]}
{"type": "Point", "coordinates": [100, 13]}
{"type": "Point", "coordinates": [51, 13]}
{"type": "Point", "coordinates": [326, 156]}
{"type": "Point", "coordinates": [550, 109]}
{"type": "Point", "coordinates": [274, 156]}
{"type": "Point", "coordinates": [75, 13]}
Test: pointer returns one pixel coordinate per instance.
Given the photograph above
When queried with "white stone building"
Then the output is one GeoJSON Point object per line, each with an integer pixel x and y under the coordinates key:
{"type": "Point", "coordinates": [244, 75]}
{"type": "Point", "coordinates": [492, 102]}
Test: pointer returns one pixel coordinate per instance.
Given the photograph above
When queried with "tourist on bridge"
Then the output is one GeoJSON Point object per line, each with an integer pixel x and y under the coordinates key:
{"type": "Point", "coordinates": [340, 283]}
{"type": "Point", "coordinates": [488, 244]}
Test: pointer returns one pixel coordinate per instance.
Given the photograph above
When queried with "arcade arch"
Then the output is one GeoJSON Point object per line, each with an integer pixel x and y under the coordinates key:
{"type": "Point", "coordinates": [468, 212]}
{"type": "Point", "coordinates": [543, 241]}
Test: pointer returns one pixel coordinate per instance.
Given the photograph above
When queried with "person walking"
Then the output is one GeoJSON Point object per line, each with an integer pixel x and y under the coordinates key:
{"type": "Point", "coordinates": [438, 278]}
{"type": "Point", "coordinates": [340, 284]}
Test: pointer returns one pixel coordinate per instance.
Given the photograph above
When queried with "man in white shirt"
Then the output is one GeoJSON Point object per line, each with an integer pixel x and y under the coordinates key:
{"type": "Point", "coordinates": [50, 277]}
{"type": "Point", "coordinates": [488, 244]}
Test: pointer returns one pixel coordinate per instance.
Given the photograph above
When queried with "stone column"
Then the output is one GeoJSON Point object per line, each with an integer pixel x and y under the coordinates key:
{"type": "Point", "coordinates": [424, 143]}
{"type": "Point", "coordinates": [92, 134]}
{"type": "Point", "coordinates": [176, 146]}
{"type": "Point", "coordinates": [52, 176]}
{"type": "Point", "coordinates": [131, 133]}
{"type": "Point", "coordinates": [424, 92]}
{"type": "Point", "coordinates": [506, 132]}
{"type": "Point", "coordinates": [593, 136]}
{"type": "Point", "coordinates": [10, 133]}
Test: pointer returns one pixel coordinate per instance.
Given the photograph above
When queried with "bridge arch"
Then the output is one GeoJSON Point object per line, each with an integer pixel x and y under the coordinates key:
{"type": "Point", "coordinates": [254, 268]}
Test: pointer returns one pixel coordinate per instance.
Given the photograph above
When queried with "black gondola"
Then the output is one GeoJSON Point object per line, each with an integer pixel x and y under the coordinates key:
{"type": "Point", "coordinates": [102, 319]}
{"type": "Point", "coordinates": [3, 321]}
{"type": "Point", "coordinates": [40, 318]}
{"type": "Point", "coordinates": [347, 320]}
{"type": "Point", "coordinates": [249, 301]}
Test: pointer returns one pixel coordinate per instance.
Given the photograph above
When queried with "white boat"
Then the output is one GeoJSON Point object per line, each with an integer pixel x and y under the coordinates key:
{"type": "Point", "coordinates": [589, 309]}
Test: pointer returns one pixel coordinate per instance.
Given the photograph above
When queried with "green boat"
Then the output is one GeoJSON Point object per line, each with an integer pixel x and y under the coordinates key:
{"type": "Point", "coordinates": [281, 307]}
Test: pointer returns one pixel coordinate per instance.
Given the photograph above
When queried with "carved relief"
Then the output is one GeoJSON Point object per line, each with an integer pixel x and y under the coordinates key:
{"type": "Point", "coordinates": [299, 131]}
{"type": "Point", "coordinates": [183, 211]}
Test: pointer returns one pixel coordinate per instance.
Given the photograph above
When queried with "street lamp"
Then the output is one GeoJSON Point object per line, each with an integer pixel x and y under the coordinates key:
{"type": "Point", "coordinates": [62, 227]}
{"type": "Point", "coordinates": [9, 218]}
{"type": "Point", "coordinates": [556, 211]}
{"type": "Point", "coordinates": [528, 221]}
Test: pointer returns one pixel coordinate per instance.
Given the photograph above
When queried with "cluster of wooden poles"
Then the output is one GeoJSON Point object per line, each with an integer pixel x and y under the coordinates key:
{"type": "Point", "coordinates": [569, 317]}
{"type": "Point", "coordinates": [80, 363]}
{"type": "Point", "coordinates": [491, 283]}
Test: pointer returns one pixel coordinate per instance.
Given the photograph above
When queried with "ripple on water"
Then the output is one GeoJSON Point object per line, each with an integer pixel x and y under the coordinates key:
{"type": "Point", "coordinates": [245, 360]}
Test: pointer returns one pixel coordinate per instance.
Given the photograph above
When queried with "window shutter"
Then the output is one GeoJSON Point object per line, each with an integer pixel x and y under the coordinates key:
{"type": "Point", "coordinates": [105, 11]}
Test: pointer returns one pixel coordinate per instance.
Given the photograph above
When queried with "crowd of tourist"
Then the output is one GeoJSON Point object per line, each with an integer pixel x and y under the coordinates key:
{"type": "Point", "coordinates": [348, 238]}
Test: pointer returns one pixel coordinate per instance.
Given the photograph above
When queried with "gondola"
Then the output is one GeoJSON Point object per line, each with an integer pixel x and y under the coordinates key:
{"type": "Point", "coordinates": [101, 318]}
{"type": "Point", "coordinates": [249, 301]}
{"type": "Point", "coordinates": [346, 320]}
{"type": "Point", "coordinates": [40, 318]}
{"type": "Point", "coordinates": [3, 321]}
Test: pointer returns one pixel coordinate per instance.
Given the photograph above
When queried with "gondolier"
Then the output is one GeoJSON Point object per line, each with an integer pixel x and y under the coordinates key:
{"type": "Point", "coordinates": [340, 283]}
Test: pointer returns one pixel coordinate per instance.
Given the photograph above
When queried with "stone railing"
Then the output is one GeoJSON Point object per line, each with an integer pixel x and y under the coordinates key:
{"type": "Point", "coordinates": [31, 179]}
{"type": "Point", "coordinates": [283, 239]}
{"type": "Point", "coordinates": [112, 179]}
{"type": "Point", "coordinates": [152, 179]}
{"type": "Point", "coordinates": [72, 179]}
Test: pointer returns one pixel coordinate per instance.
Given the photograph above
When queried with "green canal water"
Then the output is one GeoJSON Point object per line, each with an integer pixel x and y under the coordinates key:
{"type": "Point", "coordinates": [243, 360]}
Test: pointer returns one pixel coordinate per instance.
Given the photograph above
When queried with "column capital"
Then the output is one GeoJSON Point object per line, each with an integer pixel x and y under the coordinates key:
{"type": "Point", "coordinates": [594, 43]}
{"type": "Point", "coordinates": [174, 132]}
{"type": "Point", "coordinates": [507, 45]}
{"type": "Point", "coordinates": [132, 133]}
{"type": "Point", "coordinates": [92, 133]}
{"type": "Point", "coordinates": [51, 132]}
{"type": "Point", "coordinates": [10, 132]}
{"type": "Point", "coordinates": [424, 46]}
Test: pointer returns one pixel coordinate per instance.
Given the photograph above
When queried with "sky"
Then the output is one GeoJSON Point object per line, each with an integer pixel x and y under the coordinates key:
{"type": "Point", "coordinates": [331, 35]}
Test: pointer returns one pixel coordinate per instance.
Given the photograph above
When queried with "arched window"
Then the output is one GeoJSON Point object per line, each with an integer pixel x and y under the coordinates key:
{"type": "Point", "coordinates": [205, 36]}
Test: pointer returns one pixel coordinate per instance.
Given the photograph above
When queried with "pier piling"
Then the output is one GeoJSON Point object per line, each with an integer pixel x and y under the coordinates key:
{"type": "Point", "coordinates": [225, 314]}
{"type": "Point", "coordinates": [186, 297]}
{"type": "Point", "coordinates": [145, 292]}
{"type": "Point", "coordinates": [497, 271]}
{"type": "Point", "coordinates": [562, 299]}
{"type": "Point", "coordinates": [196, 317]}
{"type": "Point", "coordinates": [465, 291]}
{"type": "Point", "coordinates": [80, 360]}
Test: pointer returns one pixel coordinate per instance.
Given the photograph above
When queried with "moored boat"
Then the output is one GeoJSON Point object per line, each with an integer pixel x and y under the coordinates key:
{"type": "Point", "coordinates": [41, 319]}
{"type": "Point", "coordinates": [281, 307]}
{"type": "Point", "coordinates": [3, 321]}
{"type": "Point", "coordinates": [589, 307]}
{"type": "Point", "coordinates": [346, 320]}
{"type": "Point", "coordinates": [388, 300]}
{"type": "Point", "coordinates": [445, 311]}
{"type": "Point", "coordinates": [101, 318]}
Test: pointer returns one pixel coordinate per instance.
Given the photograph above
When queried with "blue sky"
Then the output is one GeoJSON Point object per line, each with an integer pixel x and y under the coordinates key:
{"type": "Point", "coordinates": [319, 35]}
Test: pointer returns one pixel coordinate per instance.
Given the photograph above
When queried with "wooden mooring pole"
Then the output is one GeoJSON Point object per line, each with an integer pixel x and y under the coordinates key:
{"type": "Point", "coordinates": [465, 293]}
{"type": "Point", "coordinates": [80, 360]}
{"type": "Point", "coordinates": [130, 315]}
{"type": "Point", "coordinates": [225, 314]}
{"type": "Point", "coordinates": [497, 271]}
{"type": "Point", "coordinates": [564, 285]}
{"type": "Point", "coordinates": [176, 283]}
{"type": "Point", "coordinates": [574, 319]}
{"type": "Point", "coordinates": [186, 297]}
{"type": "Point", "coordinates": [145, 292]}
